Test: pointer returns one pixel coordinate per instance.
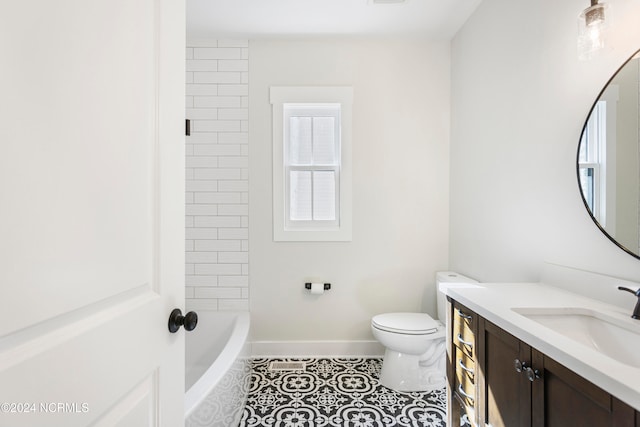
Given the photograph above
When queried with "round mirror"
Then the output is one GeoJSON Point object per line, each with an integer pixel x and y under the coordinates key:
{"type": "Point", "coordinates": [608, 163]}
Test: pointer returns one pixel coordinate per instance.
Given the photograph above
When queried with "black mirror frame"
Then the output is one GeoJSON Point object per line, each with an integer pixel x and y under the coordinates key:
{"type": "Point", "coordinates": [586, 205]}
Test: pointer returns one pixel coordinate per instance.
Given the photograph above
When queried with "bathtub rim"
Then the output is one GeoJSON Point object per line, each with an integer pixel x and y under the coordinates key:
{"type": "Point", "coordinates": [221, 365]}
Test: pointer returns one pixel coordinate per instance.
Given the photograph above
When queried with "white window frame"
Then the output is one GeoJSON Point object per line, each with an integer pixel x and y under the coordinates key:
{"type": "Point", "coordinates": [594, 139]}
{"type": "Point", "coordinates": [291, 98]}
{"type": "Point", "coordinates": [600, 135]}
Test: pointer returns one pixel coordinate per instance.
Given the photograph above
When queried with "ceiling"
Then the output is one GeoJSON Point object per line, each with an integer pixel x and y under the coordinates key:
{"type": "Point", "coordinates": [431, 19]}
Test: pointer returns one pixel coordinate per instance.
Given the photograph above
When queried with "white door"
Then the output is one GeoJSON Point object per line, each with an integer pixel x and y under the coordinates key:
{"type": "Point", "coordinates": [91, 212]}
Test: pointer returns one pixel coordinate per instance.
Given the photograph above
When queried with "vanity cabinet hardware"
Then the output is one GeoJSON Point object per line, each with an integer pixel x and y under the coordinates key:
{"type": "Point", "coordinates": [464, 368]}
{"type": "Point", "coordinates": [463, 342]}
{"type": "Point", "coordinates": [532, 374]}
{"type": "Point", "coordinates": [519, 366]}
{"type": "Point", "coordinates": [463, 314]}
{"type": "Point", "coordinates": [465, 394]}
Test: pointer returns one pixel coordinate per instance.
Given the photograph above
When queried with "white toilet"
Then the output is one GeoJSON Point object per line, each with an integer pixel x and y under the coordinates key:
{"type": "Point", "coordinates": [415, 356]}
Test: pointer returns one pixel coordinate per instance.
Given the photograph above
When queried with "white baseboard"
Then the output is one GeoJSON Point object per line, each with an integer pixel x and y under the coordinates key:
{"type": "Point", "coordinates": [316, 349]}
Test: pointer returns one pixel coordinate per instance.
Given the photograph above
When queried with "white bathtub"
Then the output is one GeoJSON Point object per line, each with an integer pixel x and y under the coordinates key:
{"type": "Point", "coordinates": [217, 369]}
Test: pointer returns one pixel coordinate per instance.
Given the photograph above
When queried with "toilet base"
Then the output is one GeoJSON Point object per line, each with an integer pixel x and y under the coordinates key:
{"type": "Point", "coordinates": [406, 372]}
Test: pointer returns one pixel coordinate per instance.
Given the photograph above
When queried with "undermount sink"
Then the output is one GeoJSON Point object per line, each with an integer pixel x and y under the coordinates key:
{"type": "Point", "coordinates": [613, 337]}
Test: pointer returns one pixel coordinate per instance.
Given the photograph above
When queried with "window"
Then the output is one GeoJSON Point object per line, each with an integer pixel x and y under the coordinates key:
{"type": "Point", "coordinates": [311, 163]}
{"type": "Point", "coordinates": [591, 161]}
{"type": "Point", "coordinates": [589, 156]}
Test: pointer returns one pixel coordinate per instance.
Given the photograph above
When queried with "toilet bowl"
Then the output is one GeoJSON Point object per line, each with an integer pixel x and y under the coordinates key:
{"type": "Point", "coordinates": [415, 348]}
{"type": "Point", "coordinates": [415, 343]}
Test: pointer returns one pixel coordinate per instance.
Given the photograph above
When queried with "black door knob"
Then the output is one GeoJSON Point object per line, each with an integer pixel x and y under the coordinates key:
{"type": "Point", "coordinates": [176, 319]}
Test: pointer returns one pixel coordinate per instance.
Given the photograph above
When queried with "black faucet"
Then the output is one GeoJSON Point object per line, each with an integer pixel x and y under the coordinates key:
{"type": "Point", "coordinates": [636, 311]}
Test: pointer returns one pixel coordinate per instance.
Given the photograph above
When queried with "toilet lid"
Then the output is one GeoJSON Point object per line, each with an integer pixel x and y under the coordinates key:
{"type": "Point", "coordinates": [405, 323]}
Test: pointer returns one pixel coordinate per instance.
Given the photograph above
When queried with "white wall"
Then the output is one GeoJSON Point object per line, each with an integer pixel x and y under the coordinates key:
{"type": "Point", "coordinates": [217, 188]}
{"type": "Point", "coordinates": [519, 100]}
{"type": "Point", "coordinates": [400, 187]}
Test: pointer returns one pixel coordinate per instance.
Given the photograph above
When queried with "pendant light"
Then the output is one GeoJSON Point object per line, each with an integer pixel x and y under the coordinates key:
{"type": "Point", "coordinates": [592, 30]}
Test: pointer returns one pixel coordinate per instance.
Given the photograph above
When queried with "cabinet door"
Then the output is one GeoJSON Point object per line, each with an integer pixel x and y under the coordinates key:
{"type": "Point", "coordinates": [505, 394]}
{"type": "Point", "coordinates": [561, 398]}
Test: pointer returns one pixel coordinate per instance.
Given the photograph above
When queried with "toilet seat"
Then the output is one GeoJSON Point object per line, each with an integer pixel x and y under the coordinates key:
{"type": "Point", "coordinates": [405, 323]}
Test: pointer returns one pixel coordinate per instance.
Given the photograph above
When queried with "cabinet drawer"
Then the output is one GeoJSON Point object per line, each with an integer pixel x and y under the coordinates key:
{"type": "Point", "coordinates": [464, 327]}
{"type": "Point", "coordinates": [465, 409]}
{"type": "Point", "coordinates": [465, 391]}
{"type": "Point", "coordinates": [464, 367]}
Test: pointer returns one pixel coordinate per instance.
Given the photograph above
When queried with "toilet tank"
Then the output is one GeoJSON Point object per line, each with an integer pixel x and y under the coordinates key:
{"type": "Point", "coordinates": [442, 279]}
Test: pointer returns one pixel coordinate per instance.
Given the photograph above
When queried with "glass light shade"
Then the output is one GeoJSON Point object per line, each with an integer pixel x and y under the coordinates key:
{"type": "Point", "coordinates": [592, 31]}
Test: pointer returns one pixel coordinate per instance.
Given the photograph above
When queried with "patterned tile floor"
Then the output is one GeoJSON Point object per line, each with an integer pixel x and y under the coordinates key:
{"type": "Point", "coordinates": [335, 392]}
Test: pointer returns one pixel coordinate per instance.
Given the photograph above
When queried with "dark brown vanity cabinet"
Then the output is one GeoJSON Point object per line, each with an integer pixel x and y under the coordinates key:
{"type": "Point", "coordinates": [499, 380]}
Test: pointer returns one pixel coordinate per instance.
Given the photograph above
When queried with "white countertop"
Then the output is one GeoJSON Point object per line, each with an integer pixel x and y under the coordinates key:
{"type": "Point", "coordinates": [494, 302]}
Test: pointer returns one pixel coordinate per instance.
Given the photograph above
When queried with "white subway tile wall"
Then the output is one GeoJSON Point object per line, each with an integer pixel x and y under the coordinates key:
{"type": "Point", "coordinates": [217, 186]}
